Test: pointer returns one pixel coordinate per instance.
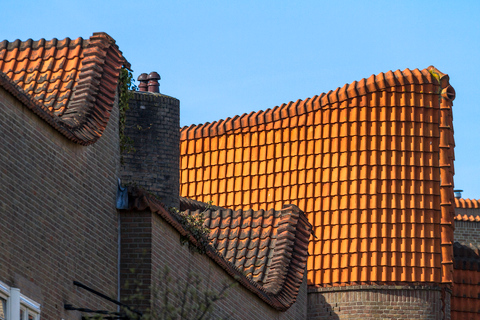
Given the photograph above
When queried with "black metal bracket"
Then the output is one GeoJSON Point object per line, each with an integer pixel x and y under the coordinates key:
{"type": "Point", "coordinates": [116, 315]}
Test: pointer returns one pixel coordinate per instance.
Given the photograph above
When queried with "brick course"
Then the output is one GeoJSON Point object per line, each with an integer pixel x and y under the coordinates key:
{"type": "Point", "coordinates": [57, 207]}
{"type": "Point", "coordinates": [467, 232]}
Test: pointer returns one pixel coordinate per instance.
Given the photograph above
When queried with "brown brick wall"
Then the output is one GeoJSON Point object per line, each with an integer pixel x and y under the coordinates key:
{"type": "Point", "coordinates": [376, 302]}
{"type": "Point", "coordinates": [467, 232]}
{"type": "Point", "coordinates": [136, 258]}
{"type": "Point", "coordinates": [153, 122]}
{"type": "Point", "coordinates": [240, 303]}
{"type": "Point", "coordinates": [57, 212]}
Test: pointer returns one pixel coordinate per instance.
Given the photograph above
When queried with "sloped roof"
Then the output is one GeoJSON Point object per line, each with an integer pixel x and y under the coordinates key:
{"type": "Point", "coordinates": [467, 203]}
{"type": "Point", "coordinates": [266, 251]}
{"type": "Point", "coordinates": [466, 291]}
{"type": "Point", "coordinates": [467, 217]}
{"type": "Point", "coordinates": [70, 84]}
{"type": "Point", "coordinates": [370, 163]}
{"type": "Point", "coordinates": [467, 210]}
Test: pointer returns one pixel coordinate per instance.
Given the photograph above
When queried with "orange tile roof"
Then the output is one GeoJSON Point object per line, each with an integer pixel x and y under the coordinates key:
{"type": "Point", "coordinates": [467, 203]}
{"type": "Point", "coordinates": [466, 291]}
{"type": "Point", "coordinates": [471, 215]}
{"type": "Point", "coordinates": [465, 217]}
{"type": "Point", "coordinates": [70, 84]}
{"type": "Point", "coordinates": [370, 163]}
{"type": "Point", "coordinates": [265, 251]}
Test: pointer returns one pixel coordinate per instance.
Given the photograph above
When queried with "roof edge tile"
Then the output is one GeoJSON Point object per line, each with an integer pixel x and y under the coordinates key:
{"type": "Point", "coordinates": [374, 83]}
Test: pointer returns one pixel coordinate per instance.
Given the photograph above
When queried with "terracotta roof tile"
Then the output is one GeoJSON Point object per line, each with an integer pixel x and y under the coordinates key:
{"type": "Point", "coordinates": [467, 210]}
{"type": "Point", "coordinates": [467, 203]}
{"type": "Point", "coordinates": [266, 251]}
{"type": "Point", "coordinates": [370, 157]}
{"type": "Point", "coordinates": [69, 83]}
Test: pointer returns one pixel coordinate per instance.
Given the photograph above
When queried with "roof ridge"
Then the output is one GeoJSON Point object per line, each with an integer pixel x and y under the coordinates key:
{"type": "Point", "coordinates": [467, 203]}
{"type": "Point", "coordinates": [374, 83]}
{"type": "Point", "coordinates": [78, 101]}
{"type": "Point", "coordinates": [291, 251]}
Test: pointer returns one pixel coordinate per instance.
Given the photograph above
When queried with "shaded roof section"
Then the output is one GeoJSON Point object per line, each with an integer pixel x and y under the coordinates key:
{"type": "Point", "coordinates": [71, 84]}
{"type": "Point", "coordinates": [371, 165]}
{"type": "Point", "coordinates": [466, 291]}
{"type": "Point", "coordinates": [265, 251]}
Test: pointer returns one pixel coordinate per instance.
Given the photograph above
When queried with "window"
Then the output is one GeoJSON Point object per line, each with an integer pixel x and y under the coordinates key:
{"type": "Point", "coordinates": [3, 308]}
{"type": "Point", "coordinates": [16, 306]}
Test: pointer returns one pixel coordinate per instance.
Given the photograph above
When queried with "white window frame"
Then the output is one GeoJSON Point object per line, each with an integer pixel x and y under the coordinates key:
{"type": "Point", "coordinates": [16, 302]}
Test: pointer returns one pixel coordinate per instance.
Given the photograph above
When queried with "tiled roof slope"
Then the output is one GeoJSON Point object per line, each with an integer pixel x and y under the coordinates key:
{"type": "Point", "coordinates": [371, 164]}
{"type": "Point", "coordinates": [467, 210]}
{"type": "Point", "coordinates": [466, 291]}
{"type": "Point", "coordinates": [465, 217]}
{"type": "Point", "coordinates": [71, 84]}
{"type": "Point", "coordinates": [265, 251]}
{"type": "Point", "coordinates": [467, 203]}
{"type": "Point", "coordinates": [254, 241]}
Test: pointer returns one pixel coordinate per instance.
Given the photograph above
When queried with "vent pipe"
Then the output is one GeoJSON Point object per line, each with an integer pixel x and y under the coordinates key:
{"type": "Point", "coordinates": [458, 193]}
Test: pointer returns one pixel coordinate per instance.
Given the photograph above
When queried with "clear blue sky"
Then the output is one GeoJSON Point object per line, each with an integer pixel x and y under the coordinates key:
{"type": "Point", "coordinates": [226, 58]}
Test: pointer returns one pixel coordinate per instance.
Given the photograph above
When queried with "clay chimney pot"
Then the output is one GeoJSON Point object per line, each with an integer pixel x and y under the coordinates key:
{"type": "Point", "coordinates": [143, 86]}
{"type": "Point", "coordinates": [153, 85]}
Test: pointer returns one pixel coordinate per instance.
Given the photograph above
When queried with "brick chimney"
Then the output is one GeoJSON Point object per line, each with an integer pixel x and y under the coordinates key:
{"type": "Point", "coordinates": [153, 123]}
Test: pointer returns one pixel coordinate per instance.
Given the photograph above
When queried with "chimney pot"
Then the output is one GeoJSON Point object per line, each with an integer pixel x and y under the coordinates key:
{"type": "Point", "coordinates": [153, 76]}
{"type": "Point", "coordinates": [153, 85]}
{"type": "Point", "coordinates": [143, 86]}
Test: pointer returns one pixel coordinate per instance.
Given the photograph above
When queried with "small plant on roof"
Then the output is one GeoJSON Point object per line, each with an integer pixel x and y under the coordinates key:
{"type": "Point", "coordinates": [193, 222]}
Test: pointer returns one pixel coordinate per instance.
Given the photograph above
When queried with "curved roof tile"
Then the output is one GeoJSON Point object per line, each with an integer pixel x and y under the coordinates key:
{"type": "Point", "coordinates": [400, 80]}
{"type": "Point", "coordinates": [70, 84]}
{"type": "Point", "coordinates": [467, 203]}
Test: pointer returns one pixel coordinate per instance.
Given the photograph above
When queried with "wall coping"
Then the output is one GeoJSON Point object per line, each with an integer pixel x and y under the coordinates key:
{"type": "Point", "coordinates": [376, 287]}
{"type": "Point", "coordinates": [155, 97]}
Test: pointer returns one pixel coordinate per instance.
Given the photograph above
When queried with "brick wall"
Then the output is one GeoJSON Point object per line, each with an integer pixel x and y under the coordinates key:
{"type": "Point", "coordinates": [376, 302]}
{"type": "Point", "coordinates": [57, 207]}
{"type": "Point", "coordinates": [165, 249]}
{"type": "Point", "coordinates": [467, 232]}
{"type": "Point", "coordinates": [153, 122]}
{"type": "Point", "coordinates": [136, 259]}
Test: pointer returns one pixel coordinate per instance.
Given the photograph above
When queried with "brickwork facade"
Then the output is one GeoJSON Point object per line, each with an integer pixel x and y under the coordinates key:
{"type": "Point", "coordinates": [467, 233]}
{"type": "Point", "coordinates": [136, 258]}
{"type": "Point", "coordinates": [57, 207]}
{"type": "Point", "coordinates": [377, 302]}
{"type": "Point", "coordinates": [163, 249]}
{"type": "Point", "coordinates": [153, 123]}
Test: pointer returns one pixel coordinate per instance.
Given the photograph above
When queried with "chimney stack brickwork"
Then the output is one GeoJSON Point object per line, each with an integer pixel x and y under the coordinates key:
{"type": "Point", "coordinates": [153, 123]}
